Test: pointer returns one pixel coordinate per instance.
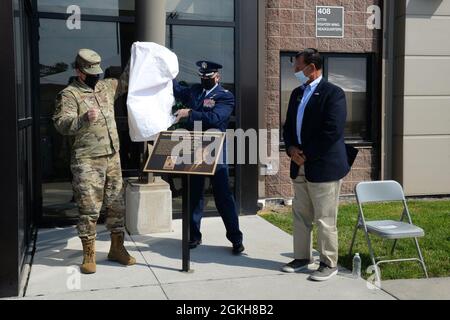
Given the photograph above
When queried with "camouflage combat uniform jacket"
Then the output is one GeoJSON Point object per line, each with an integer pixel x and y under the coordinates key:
{"type": "Point", "coordinates": [99, 138]}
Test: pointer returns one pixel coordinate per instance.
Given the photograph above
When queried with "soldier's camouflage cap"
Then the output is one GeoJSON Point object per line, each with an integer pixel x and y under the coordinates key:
{"type": "Point", "coordinates": [89, 62]}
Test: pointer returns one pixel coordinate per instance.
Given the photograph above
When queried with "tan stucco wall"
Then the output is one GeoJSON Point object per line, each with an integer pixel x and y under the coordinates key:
{"type": "Point", "coordinates": [422, 124]}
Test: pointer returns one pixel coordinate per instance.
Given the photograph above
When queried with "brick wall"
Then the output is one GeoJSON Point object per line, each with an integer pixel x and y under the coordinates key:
{"type": "Point", "coordinates": [290, 26]}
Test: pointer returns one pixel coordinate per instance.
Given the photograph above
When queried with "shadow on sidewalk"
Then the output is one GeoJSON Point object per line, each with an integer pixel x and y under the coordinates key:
{"type": "Point", "coordinates": [205, 254]}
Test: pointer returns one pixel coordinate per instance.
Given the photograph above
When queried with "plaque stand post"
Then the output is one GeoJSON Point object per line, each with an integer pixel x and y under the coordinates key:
{"type": "Point", "coordinates": [163, 161]}
{"type": "Point", "coordinates": [186, 223]}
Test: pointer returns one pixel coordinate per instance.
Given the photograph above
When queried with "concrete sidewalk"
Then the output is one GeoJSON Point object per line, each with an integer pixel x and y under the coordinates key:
{"type": "Point", "coordinates": [218, 275]}
{"type": "Point", "coordinates": [422, 289]}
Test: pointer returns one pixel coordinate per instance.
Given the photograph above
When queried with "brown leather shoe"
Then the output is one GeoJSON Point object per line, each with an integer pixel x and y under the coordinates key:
{"type": "Point", "coordinates": [89, 265]}
{"type": "Point", "coordinates": [118, 253]}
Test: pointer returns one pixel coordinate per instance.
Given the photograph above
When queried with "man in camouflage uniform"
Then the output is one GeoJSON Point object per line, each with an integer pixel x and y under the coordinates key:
{"type": "Point", "coordinates": [85, 110]}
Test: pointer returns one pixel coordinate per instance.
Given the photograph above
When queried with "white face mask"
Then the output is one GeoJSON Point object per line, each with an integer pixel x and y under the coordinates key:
{"type": "Point", "coordinates": [301, 77]}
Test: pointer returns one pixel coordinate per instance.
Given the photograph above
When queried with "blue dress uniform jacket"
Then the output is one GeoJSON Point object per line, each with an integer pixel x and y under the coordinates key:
{"type": "Point", "coordinates": [214, 111]}
{"type": "Point", "coordinates": [322, 133]}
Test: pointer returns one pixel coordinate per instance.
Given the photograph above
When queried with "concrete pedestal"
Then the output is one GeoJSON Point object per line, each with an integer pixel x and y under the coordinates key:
{"type": "Point", "coordinates": [149, 208]}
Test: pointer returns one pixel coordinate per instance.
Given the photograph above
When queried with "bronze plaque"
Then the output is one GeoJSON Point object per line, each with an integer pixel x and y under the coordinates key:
{"type": "Point", "coordinates": [182, 152]}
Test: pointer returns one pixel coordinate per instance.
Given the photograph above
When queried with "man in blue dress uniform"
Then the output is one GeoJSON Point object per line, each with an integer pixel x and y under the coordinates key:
{"type": "Point", "coordinates": [213, 106]}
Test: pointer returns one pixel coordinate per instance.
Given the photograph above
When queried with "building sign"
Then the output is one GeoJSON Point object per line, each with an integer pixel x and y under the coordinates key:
{"type": "Point", "coordinates": [330, 22]}
{"type": "Point", "coordinates": [182, 152]}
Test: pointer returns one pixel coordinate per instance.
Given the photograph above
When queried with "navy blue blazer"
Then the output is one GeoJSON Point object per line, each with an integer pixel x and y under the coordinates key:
{"type": "Point", "coordinates": [322, 133]}
{"type": "Point", "coordinates": [214, 110]}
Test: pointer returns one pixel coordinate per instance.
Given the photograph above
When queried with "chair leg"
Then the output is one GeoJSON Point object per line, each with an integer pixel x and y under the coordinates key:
{"type": "Point", "coordinates": [422, 261]}
{"type": "Point", "coordinates": [394, 247]}
{"type": "Point", "coordinates": [372, 256]}
{"type": "Point", "coordinates": [354, 239]}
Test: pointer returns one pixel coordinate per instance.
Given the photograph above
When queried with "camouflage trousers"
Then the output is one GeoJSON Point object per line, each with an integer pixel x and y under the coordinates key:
{"type": "Point", "coordinates": [97, 183]}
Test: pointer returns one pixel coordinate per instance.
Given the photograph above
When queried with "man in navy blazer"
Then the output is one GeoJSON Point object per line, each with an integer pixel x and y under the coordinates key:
{"type": "Point", "coordinates": [314, 138]}
{"type": "Point", "coordinates": [212, 105]}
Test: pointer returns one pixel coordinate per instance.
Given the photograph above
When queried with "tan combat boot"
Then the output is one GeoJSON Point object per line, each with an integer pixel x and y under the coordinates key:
{"type": "Point", "coordinates": [89, 266]}
{"type": "Point", "coordinates": [118, 253]}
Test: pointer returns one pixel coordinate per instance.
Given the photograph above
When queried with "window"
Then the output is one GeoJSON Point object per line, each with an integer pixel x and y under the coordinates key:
{"type": "Point", "coordinates": [21, 28]}
{"type": "Point", "coordinates": [210, 43]}
{"type": "Point", "coordinates": [56, 59]}
{"type": "Point", "coordinates": [202, 29]}
{"type": "Point", "coordinates": [207, 10]}
{"type": "Point", "coordinates": [352, 73]}
{"type": "Point", "coordinates": [89, 7]}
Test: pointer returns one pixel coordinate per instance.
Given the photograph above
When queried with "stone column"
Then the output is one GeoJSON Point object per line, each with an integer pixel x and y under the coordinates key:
{"type": "Point", "coordinates": [151, 21]}
{"type": "Point", "coordinates": [149, 205]}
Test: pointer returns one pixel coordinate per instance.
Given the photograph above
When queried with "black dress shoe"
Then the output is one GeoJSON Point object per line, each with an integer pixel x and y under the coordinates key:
{"type": "Point", "coordinates": [194, 244]}
{"type": "Point", "coordinates": [238, 249]}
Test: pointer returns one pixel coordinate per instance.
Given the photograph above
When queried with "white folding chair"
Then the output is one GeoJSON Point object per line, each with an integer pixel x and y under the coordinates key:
{"type": "Point", "coordinates": [386, 191]}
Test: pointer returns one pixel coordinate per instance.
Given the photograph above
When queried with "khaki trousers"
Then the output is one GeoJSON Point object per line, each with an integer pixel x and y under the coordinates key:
{"type": "Point", "coordinates": [316, 203]}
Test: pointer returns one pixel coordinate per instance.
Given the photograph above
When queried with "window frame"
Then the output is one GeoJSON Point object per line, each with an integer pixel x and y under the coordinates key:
{"type": "Point", "coordinates": [369, 139]}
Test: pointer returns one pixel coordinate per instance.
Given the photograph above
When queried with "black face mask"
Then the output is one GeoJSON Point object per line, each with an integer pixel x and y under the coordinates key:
{"type": "Point", "coordinates": [91, 81]}
{"type": "Point", "coordinates": [208, 84]}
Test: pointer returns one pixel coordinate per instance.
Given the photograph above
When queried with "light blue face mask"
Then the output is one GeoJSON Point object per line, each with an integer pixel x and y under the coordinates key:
{"type": "Point", "coordinates": [301, 77]}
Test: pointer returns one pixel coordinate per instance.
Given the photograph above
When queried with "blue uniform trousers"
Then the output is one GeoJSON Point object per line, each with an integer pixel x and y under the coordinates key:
{"type": "Point", "coordinates": [225, 203]}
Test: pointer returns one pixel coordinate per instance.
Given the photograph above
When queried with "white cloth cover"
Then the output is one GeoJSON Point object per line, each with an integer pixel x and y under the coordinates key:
{"type": "Point", "coordinates": [150, 92]}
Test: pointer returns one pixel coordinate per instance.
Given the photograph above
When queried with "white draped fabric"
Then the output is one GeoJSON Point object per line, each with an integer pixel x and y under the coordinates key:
{"type": "Point", "coordinates": [150, 94]}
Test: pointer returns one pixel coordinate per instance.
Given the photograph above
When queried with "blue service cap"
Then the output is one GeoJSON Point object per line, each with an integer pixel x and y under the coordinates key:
{"type": "Point", "coordinates": [208, 68]}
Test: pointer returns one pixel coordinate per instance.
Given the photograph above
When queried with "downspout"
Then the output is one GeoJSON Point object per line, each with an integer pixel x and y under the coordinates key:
{"type": "Point", "coordinates": [387, 90]}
